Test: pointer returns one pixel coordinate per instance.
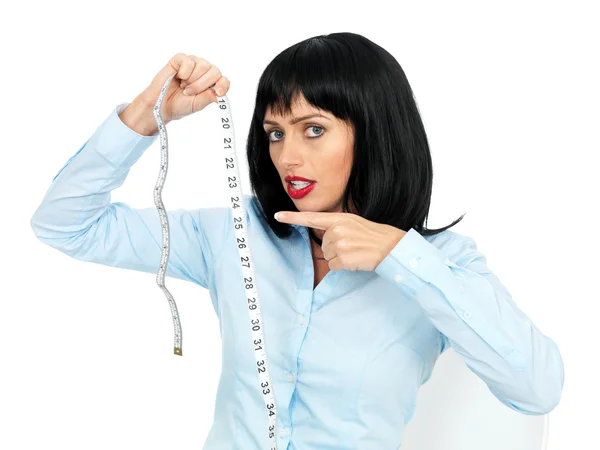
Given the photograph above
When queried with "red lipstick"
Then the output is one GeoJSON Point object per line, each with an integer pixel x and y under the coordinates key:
{"type": "Point", "coordinates": [299, 193]}
{"type": "Point", "coordinates": [295, 178]}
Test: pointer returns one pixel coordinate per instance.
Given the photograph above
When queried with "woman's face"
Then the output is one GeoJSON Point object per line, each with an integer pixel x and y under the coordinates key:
{"type": "Point", "coordinates": [318, 148]}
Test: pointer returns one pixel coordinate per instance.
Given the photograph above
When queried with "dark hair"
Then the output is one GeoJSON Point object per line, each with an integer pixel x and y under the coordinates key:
{"type": "Point", "coordinates": [360, 83]}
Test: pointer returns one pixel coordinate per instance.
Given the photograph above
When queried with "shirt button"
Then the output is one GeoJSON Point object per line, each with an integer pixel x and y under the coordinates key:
{"type": "Point", "coordinates": [413, 263]}
{"type": "Point", "coordinates": [467, 315]}
{"type": "Point", "coordinates": [301, 321]}
{"type": "Point", "coordinates": [290, 377]}
{"type": "Point", "coordinates": [399, 278]}
{"type": "Point", "coordinates": [283, 432]}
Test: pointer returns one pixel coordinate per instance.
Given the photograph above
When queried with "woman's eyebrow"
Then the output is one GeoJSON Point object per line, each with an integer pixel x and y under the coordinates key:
{"type": "Point", "coordinates": [297, 119]}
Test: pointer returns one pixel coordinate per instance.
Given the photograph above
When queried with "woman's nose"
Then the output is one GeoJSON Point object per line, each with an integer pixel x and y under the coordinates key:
{"type": "Point", "coordinates": [290, 153]}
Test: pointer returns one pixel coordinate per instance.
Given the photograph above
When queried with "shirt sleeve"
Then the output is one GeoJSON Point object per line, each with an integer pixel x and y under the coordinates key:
{"type": "Point", "coordinates": [76, 215]}
{"type": "Point", "coordinates": [476, 315]}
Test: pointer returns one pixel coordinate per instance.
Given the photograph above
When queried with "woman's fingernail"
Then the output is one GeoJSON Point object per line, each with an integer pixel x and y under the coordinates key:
{"type": "Point", "coordinates": [219, 92]}
{"type": "Point", "coordinates": [182, 84]}
{"type": "Point", "coordinates": [186, 92]}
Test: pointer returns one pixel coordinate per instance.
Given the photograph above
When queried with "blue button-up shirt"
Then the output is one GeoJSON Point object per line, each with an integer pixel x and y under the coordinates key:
{"type": "Point", "coordinates": [346, 358]}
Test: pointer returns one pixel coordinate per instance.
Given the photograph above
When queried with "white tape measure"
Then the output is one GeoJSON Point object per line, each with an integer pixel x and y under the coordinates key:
{"type": "Point", "coordinates": [234, 182]}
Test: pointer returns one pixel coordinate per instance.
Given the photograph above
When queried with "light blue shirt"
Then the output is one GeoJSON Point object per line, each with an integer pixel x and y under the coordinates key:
{"type": "Point", "coordinates": [346, 359]}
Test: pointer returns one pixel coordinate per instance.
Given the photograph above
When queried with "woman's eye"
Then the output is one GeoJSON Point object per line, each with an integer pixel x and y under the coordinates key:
{"type": "Point", "coordinates": [274, 131]}
{"type": "Point", "coordinates": [315, 126]}
{"type": "Point", "coordinates": [280, 133]}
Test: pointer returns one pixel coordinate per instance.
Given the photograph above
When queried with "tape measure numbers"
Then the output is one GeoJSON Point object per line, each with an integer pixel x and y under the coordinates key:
{"type": "Point", "coordinates": [234, 183]}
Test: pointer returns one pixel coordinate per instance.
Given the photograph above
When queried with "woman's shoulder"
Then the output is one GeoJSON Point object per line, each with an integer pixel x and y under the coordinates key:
{"type": "Point", "coordinates": [451, 242]}
{"type": "Point", "coordinates": [254, 216]}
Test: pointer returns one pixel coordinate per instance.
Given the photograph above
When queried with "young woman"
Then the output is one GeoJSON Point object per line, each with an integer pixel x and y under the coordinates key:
{"type": "Point", "coordinates": [359, 298]}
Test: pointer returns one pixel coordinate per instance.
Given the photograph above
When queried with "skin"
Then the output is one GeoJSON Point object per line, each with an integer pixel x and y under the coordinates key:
{"type": "Point", "coordinates": [318, 148]}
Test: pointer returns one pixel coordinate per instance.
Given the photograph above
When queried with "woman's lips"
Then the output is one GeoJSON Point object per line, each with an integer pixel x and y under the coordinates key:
{"type": "Point", "coordinates": [299, 193]}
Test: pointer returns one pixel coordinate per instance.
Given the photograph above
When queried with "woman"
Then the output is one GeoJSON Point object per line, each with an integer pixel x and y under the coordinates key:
{"type": "Point", "coordinates": [359, 299]}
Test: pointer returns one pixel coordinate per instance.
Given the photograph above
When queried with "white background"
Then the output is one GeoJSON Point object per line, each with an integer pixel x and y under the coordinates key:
{"type": "Point", "coordinates": [509, 95]}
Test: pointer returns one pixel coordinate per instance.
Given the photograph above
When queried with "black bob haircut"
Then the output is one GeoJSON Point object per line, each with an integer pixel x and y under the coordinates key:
{"type": "Point", "coordinates": [360, 83]}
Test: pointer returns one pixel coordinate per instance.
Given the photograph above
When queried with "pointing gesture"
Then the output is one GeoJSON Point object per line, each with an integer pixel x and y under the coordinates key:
{"type": "Point", "coordinates": [350, 242]}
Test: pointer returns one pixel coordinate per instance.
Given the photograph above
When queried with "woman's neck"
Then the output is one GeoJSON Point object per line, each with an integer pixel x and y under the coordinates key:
{"type": "Point", "coordinates": [316, 251]}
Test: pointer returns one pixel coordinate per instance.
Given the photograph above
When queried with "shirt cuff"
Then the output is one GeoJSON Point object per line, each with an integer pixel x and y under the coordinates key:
{"type": "Point", "coordinates": [118, 143]}
{"type": "Point", "coordinates": [411, 263]}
